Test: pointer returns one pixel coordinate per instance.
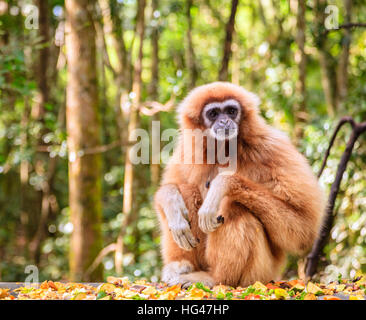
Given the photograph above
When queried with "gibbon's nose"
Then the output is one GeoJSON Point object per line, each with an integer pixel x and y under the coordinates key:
{"type": "Point", "coordinates": [224, 122]}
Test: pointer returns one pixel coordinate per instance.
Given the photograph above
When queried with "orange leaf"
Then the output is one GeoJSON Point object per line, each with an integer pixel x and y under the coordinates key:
{"type": "Point", "coordinates": [293, 283]}
{"type": "Point", "coordinates": [310, 296]}
{"type": "Point", "coordinates": [44, 285]}
{"type": "Point", "coordinates": [52, 285]}
{"type": "Point", "coordinates": [271, 286]}
{"type": "Point", "coordinates": [252, 297]}
{"type": "Point", "coordinates": [331, 298]}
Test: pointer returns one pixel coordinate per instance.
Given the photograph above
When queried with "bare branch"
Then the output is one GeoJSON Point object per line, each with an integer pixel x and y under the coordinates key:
{"type": "Point", "coordinates": [150, 108]}
{"type": "Point", "coordinates": [349, 25]}
{"type": "Point", "coordinates": [352, 25]}
{"type": "Point", "coordinates": [340, 124]}
{"type": "Point", "coordinates": [93, 150]}
{"type": "Point", "coordinates": [314, 255]}
{"type": "Point", "coordinates": [98, 260]}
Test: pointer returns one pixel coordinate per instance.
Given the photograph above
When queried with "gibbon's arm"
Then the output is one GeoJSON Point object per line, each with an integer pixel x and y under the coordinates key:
{"type": "Point", "coordinates": [292, 228]}
{"type": "Point", "coordinates": [170, 204]}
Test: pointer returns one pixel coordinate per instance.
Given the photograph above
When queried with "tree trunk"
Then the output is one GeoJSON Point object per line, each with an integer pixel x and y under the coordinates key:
{"type": "Point", "coordinates": [154, 87]}
{"type": "Point", "coordinates": [112, 26]}
{"type": "Point", "coordinates": [43, 165]}
{"type": "Point", "coordinates": [191, 64]}
{"type": "Point", "coordinates": [342, 72]}
{"type": "Point", "coordinates": [44, 53]}
{"type": "Point", "coordinates": [328, 81]}
{"type": "Point", "coordinates": [223, 74]}
{"type": "Point", "coordinates": [326, 60]}
{"type": "Point", "coordinates": [83, 132]}
{"type": "Point", "coordinates": [132, 125]}
{"type": "Point", "coordinates": [300, 59]}
{"type": "Point", "coordinates": [235, 69]}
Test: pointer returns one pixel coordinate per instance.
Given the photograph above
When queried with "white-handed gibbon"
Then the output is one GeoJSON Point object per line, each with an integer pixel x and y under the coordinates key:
{"type": "Point", "coordinates": [236, 228]}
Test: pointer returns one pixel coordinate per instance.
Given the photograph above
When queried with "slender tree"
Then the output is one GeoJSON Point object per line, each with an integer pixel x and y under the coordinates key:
{"type": "Point", "coordinates": [43, 164]}
{"type": "Point", "coordinates": [190, 56]}
{"type": "Point", "coordinates": [83, 132]}
{"type": "Point", "coordinates": [326, 60]}
{"type": "Point", "coordinates": [132, 125]}
{"type": "Point", "coordinates": [113, 28]}
{"type": "Point", "coordinates": [300, 58]}
{"type": "Point", "coordinates": [154, 86]}
{"type": "Point", "coordinates": [223, 74]}
{"type": "Point", "coordinates": [235, 66]}
{"type": "Point", "coordinates": [342, 72]}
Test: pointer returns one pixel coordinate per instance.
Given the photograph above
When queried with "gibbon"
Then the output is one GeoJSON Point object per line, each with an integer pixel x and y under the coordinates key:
{"type": "Point", "coordinates": [234, 228]}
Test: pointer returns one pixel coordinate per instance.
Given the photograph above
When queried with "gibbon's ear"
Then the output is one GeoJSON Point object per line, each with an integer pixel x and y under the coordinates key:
{"type": "Point", "coordinates": [189, 110]}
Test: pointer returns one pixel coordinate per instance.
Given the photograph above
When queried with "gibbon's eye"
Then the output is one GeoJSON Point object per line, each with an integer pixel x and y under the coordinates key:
{"type": "Point", "coordinates": [212, 114]}
{"type": "Point", "coordinates": [231, 111]}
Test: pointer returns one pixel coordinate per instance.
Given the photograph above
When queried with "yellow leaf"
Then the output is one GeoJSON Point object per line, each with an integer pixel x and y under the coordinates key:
{"type": "Point", "coordinates": [107, 287]}
{"type": "Point", "coordinates": [220, 288]}
{"type": "Point", "coordinates": [259, 286]}
{"type": "Point", "coordinates": [119, 292]}
{"type": "Point", "coordinates": [149, 291]}
{"type": "Point", "coordinates": [80, 296]}
{"type": "Point", "coordinates": [356, 297]}
{"type": "Point", "coordinates": [129, 294]}
{"type": "Point", "coordinates": [281, 293]}
{"type": "Point", "coordinates": [313, 288]}
{"type": "Point", "coordinates": [340, 287]}
{"type": "Point", "coordinates": [168, 296]}
{"type": "Point", "coordinates": [298, 286]}
{"type": "Point", "coordinates": [310, 296]}
{"type": "Point", "coordinates": [120, 281]}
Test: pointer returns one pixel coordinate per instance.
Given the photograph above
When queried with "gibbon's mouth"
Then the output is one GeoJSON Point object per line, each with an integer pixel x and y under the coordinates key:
{"type": "Point", "coordinates": [224, 134]}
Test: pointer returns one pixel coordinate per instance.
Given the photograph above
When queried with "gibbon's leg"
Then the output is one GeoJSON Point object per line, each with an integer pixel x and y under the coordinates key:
{"type": "Point", "coordinates": [291, 225]}
{"type": "Point", "coordinates": [178, 261]}
{"type": "Point", "coordinates": [238, 252]}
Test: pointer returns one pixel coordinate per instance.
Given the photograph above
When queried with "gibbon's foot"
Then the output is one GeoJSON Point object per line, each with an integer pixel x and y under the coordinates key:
{"type": "Point", "coordinates": [173, 270]}
{"type": "Point", "coordinates": [190, 278]}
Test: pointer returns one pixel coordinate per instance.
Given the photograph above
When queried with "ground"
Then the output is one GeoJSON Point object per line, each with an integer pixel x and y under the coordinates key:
{"type": "Point", "coordinates": [123, 289]}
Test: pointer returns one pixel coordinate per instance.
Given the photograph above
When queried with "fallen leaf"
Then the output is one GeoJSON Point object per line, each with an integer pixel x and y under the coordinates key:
{"type": "Point", "coordinates": [310, 296]}
{"type": "Point", "coordinates": [356, 297]}
{"type": "Point", "coordinates": [331, 298]}
{"type": "Point", "coordinates": [281, 293]}
{"type": "Point", "coordinates": [314, 289]}
{"type": "Point", "coordinates": [260, 286]}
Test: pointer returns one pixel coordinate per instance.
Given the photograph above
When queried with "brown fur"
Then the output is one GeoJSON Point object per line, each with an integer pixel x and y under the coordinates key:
{"type": "Point", "coordinates": [272, 205]}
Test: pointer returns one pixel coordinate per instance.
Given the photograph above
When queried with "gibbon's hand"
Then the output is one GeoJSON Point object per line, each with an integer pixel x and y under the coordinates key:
{"type": "Point", "coordinates": [177, 215]}
{"type": "Point", "coordinates": [208, 218]}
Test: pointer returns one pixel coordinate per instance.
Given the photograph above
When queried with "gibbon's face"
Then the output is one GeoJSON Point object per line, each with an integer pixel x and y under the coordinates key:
{"type": "Point", "coordinates": [222, 118]}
